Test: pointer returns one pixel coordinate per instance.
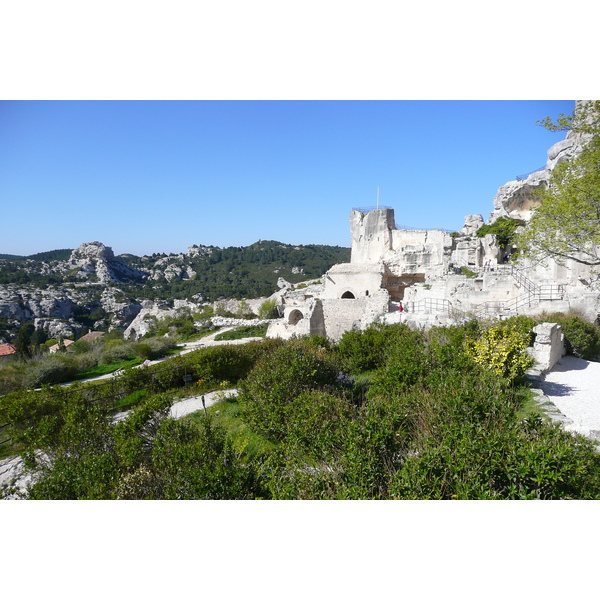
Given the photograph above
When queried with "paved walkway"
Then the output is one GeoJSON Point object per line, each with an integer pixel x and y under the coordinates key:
{"type": "Point", "coordinates": [573, 386]}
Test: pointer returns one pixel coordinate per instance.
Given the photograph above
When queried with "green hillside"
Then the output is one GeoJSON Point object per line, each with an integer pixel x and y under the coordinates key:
{"type": "Point", "coordinates": [243, 272]}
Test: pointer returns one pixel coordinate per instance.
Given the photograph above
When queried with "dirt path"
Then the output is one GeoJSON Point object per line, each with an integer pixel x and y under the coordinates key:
{"type": "Point", "coordinates": [209, 340]}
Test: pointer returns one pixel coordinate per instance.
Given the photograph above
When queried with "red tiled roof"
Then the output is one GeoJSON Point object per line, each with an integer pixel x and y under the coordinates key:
{"type": "Point", "coordinates": [7, 349]}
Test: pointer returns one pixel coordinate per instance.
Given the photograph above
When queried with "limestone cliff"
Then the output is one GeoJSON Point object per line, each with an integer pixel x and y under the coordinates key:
{"type": "Point", "coordinates": [516, 199]}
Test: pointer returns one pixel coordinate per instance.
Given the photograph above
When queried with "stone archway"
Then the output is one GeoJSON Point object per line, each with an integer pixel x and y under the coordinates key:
{"type": "Point", "coordinates": [348, 295]}
{"type": "Point", "coordinates": [295, 316]}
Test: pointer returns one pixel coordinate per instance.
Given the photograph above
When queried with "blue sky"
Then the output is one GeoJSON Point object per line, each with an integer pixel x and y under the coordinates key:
{"type": "Point", "coordinates": [159, 176]}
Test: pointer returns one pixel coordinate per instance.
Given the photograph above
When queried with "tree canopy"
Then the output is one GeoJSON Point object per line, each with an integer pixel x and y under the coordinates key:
{"type": "Point", "coordinates": [566, 225]}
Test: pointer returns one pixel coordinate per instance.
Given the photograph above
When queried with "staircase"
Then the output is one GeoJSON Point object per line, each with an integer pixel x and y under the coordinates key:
{"type": "Point", "coordinates": [530, 295]}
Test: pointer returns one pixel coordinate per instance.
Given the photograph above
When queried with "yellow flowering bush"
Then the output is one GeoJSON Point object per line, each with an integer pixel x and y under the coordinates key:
{"type": "Point", "coordinates": [502, 348]}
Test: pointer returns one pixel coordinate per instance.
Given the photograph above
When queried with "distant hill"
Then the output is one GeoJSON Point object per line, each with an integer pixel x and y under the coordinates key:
{"type": "Point", "coordinates": [63, 254]}
{"type": "Point", "coordinates": [235, 272]}
{"type": "Point", "coordinates": [12, 257]}
{"type": "Point", "coordinates": [209, 271]}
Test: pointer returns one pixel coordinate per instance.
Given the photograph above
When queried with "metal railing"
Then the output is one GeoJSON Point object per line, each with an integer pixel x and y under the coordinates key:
{"type": "Point", "coordinates": [526, 175]}
{"type": "Point", "coordinates": [430, 304]}
{"type": "Point", "coordinates": [532, 294]}
{"type": "Point", "coordinates": [369, 209]}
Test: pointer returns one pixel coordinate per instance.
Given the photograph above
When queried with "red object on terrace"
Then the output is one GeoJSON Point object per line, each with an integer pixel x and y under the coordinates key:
{"type": "Point", "coordinates": [7, 349]}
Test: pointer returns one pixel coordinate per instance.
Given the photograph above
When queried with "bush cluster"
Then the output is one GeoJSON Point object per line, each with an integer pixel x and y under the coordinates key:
{"type": "Point", "coordinates": [388, 413]}
{"type": "Point", "coordinates": [582, 338]}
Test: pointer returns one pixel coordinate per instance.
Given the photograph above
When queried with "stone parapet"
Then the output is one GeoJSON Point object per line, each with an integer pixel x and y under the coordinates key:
{"type": "Point", "coordinates": [549, 346]}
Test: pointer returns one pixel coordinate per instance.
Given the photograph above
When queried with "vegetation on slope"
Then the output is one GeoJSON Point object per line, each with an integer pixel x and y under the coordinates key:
{"type": "Point", "coordinates": [566, 225]}
{"type": "Point", "coordinates": [234, 272]}
{"type": "Point", "coordinates": [387, 413]}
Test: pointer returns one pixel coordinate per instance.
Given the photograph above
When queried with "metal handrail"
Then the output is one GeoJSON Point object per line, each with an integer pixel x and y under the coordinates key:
{"type": "Point", "coordinates": [369, 209]}
{"type": "Point", "coordinates": [408, 228]}
{"type": "Point", "coordinates": [524, 177]}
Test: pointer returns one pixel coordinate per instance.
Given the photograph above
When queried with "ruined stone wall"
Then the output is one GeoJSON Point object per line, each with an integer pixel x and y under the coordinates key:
{"type": "Point", "coordinates": [371, 234]}
{"type": "Point", "coordinates": [342, 315]}
{"type": "Point", "coordinates": [549, 346]}
{"type": "Point", "coordinates": [358, 279]}
{"type": "Point", "coordinates": [419, 251]}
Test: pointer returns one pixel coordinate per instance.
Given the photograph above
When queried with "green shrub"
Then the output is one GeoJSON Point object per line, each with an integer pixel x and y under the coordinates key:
{"type": "Point", "coordinates": [152, 348]}
{"type": "Point", "coordinates": [116, 353]}
{"type": "Point", "coordinates": [277, 379]}
{"type": "Point", "coordinates": [523, 325]}
{"type": "Point", "coordinates": [268, 310]}
{"type": "Point", "coordinates": [366, 350]}
{"type": "Point", "coordinates": [50, 370]}
{"type": "Point", "coordinates": [317, 422]}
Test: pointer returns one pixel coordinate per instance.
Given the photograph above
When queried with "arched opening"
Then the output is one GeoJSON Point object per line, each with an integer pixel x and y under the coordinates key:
{"type": "Point", "coordinates": [347, 295]}
{"type": "Point", "coordinates": [294, 317]}
{"type": "Point", "coordinates": [367, 293]}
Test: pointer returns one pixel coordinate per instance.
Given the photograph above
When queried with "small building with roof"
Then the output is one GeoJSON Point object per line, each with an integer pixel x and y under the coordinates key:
{"type": "Point", "coordinates": [7, 352]}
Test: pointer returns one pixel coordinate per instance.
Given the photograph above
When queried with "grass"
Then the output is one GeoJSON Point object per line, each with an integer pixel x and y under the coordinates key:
{"type": "Point", "coordinates": [197, 336]}
{"type": "Point", "coordinates": [243, 332]}
{"type": "Point", "coordinates": [132, 399]}
{"type": "Point", "coordinates": [468, 273]}
{"type": "Point", "coordinates": [110, 368]}
{"type": "Point", "coordinates": [528, 404]}
{"type": "Point", "coordinates": [228, 415]}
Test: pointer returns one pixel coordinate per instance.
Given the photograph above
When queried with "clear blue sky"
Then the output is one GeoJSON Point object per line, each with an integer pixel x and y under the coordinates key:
{"type": "Point", "coordinates": [159, 176]}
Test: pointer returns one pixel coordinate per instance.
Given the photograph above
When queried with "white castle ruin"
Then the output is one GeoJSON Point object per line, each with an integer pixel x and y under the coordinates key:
{"type": "Point", "coordinates": [421, 269]}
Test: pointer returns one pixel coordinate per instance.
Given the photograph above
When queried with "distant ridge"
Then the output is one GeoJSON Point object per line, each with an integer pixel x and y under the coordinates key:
{"type": "Point", "coordinates": [12, 257]}
{"type": "Point", "coordinates": [62, 254]}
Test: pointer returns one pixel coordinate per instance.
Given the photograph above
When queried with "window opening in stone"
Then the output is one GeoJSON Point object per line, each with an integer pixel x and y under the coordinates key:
{"type": "Point", "coordinates": [294, 317]}
{"type": "Point", "coordinates": [347, 295]}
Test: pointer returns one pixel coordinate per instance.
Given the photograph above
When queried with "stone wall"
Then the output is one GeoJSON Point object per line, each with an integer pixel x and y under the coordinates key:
{"type": "Point", "coordinates": [342, 315]}
{"type": "Point", "coordinates": [357, 279]}
{"type": "Point", "coordinates": [549, 346]}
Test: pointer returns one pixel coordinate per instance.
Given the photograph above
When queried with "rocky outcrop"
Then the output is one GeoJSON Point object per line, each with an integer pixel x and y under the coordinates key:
{"type": "Point", "coordinates": [472, 224]}
{"type": "Point", "coordinates": [121, 313]}
{"type": "Point", "coordinates": [56, 328]}
{"type": "Point", "coordinates": [27, 303]}
{"type": "Point", "coordinates": [94, 260]}
{"type": "Point", "coordinates": [516, 199]}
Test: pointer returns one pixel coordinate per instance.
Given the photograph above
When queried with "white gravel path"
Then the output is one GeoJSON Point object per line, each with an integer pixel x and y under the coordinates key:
{"type": "Point", "coordinates": [187, 406]}
{"type": "Point", "coordinates": [573, 386]}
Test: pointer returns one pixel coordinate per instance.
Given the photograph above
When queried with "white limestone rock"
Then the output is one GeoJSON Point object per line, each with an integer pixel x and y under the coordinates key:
{"type": "Point", "coordinates": [472, 224]}
{"type": "Point", "coordinates": [144, 322]}
{"type": "Point", "coordinates": [56, 328]}
{"type": "Point", "coordinates": [94, 259]}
